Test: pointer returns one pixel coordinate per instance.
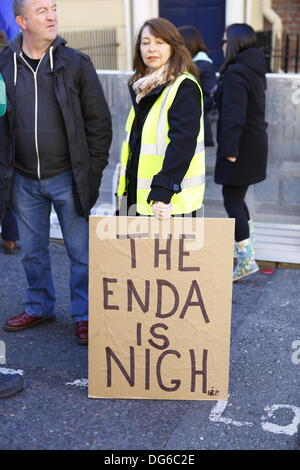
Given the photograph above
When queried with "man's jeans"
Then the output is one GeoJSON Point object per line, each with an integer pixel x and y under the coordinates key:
{"type": "Point", "coordinates": [32, 204]}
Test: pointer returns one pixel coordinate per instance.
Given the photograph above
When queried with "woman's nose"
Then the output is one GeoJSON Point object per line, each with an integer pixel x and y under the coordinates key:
{"type": "Point", "coordinates": [152, 46]}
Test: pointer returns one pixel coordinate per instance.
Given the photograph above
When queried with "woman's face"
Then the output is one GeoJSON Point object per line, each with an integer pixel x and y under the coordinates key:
{"type": "Point", "coordinates": [155, 51]}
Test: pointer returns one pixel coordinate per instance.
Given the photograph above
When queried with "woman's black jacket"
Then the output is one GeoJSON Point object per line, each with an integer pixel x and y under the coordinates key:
{"type": "Point", "coordinates": [184, 125]}
{"type": "Point", "coordinates": [241, 130]}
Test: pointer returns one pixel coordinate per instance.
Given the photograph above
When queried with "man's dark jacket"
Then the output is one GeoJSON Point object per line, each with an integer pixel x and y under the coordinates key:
{"type": "Point", "coordinates": [242, 127]}
{"type": "Point", "coordinates": [83, 113]}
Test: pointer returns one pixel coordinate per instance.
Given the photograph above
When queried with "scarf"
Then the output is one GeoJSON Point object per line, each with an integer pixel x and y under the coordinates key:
{"type": "Point", "coordinates": [145, 84]}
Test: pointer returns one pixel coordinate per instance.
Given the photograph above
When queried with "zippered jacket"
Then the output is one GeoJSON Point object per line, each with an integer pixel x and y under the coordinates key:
{"type": "Point", "coordinates": [57, 118]}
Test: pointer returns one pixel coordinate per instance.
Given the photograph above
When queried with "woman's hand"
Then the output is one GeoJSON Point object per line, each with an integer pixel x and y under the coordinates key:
{"type": "Point", "coordinates": [231, 159]}
{"type": "Point", "coordinates": [161, 210]}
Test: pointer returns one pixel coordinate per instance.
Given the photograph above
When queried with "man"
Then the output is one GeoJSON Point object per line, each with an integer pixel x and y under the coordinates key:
{"type": "Point", "coordinates": [58, 132]}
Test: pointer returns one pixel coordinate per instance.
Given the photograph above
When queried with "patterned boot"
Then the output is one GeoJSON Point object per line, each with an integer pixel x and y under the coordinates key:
{"type": "Point", "coordinates": [245, 260]}
{"type": "Point", "coordinates": [252, 237]}
{"type": "Point", "coordinates": [252, 234]}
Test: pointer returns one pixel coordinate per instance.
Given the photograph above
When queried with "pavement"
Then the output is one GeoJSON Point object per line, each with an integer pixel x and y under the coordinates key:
{"type": "Point", "coordinates": [54, 412]}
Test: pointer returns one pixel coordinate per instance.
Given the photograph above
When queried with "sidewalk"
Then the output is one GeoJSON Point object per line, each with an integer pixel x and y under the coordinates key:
{"type": "Point", "coordinates": [54, 412]}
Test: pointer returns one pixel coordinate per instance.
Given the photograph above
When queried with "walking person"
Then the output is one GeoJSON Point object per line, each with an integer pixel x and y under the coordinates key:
{"type": "Point", "coordinates": [59, 131]}
{"type": "Point", "coordinates": [208, 80]}
{"type": "Point", "coordinates": [13, 383]}
{"type": "Point", "coordinates": [162, 158]}
{"type": "Point", "coordinates": [9, 228]}
{"type": "Point", "coordinates": [241, 135]}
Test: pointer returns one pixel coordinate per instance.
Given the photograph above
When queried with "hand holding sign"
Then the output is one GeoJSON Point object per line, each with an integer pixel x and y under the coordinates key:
{"type": "Point", "coordinates": [161, 210]}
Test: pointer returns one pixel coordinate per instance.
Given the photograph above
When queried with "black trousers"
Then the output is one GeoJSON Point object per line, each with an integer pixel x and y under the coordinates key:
{"type": "Point", "coordinates": [237, 209]}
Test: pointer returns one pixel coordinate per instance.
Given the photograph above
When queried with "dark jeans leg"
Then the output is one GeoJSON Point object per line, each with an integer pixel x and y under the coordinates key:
{"type": "Point", "coordinates": [10, 231]}
{"type": "Point", "coordinates": [237, 209]}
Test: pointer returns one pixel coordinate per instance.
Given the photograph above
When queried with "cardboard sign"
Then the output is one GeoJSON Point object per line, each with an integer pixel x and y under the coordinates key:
{"type": "Point", "coordinates": [160, 307]}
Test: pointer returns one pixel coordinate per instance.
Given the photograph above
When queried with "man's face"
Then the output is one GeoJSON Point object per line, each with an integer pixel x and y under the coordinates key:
{"type": "Point", "coordinates": [39, 20]}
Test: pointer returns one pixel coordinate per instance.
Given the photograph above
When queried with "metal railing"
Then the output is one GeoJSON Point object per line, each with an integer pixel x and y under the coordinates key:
{"type": "Point", "coordinates": [100, 44]}
{"type": "Point", "coordinates": [285, 55]}
{"type": "Point", "coordinates": [291, 49]}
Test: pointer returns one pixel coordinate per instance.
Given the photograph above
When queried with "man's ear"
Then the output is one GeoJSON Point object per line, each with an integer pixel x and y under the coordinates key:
{"type": "Point", "coordinates": [21, 22]}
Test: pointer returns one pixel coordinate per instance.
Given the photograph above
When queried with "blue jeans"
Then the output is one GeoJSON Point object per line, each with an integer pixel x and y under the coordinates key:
{"type": "Point", "coordinates": [9, 227]}
{"type": "Point", "coordinates": [32, 205]}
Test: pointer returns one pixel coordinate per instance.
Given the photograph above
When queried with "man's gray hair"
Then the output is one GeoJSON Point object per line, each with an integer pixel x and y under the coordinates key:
{"type": "Point", "coordinates": [18, 7]}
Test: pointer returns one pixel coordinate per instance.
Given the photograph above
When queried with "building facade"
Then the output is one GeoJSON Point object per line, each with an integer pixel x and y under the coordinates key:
{"type": "Point", "coordinates": [125, 17]}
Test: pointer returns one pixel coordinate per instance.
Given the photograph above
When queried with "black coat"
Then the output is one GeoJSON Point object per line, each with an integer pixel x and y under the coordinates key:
{"type": "Point", "coordinates": [208, 81]}
{"type": "Point", "coordinates": [241, 130]}
{"type": "Point", "coordinates": [85, 115]}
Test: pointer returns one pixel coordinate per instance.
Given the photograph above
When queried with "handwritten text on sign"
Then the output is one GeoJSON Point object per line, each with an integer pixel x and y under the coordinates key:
{"type": "Point", "coordinates": [160, 315]}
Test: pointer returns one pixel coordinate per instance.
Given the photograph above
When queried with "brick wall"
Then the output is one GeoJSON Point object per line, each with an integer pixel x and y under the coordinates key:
{"type": "Point", "coordinates": [289, 12]}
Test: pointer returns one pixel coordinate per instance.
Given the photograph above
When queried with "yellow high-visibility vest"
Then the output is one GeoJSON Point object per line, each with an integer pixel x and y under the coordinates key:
{"type": "Point", "coordinates": [154, 143]}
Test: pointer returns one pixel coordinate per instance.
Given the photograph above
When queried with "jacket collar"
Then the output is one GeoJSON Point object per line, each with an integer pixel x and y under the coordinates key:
{"type": "Point", "coordinates": [57, 55]}
{"type": "Point", "coordinates": [155, 92]}
{"type": "Point", "coordinates": [201, 55]}
{"type": "Point", "coordinates": [15, 44]}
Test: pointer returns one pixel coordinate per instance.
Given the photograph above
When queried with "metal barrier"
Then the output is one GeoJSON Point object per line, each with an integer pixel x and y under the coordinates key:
{"type": "Point", "coordinates": [274, 203]}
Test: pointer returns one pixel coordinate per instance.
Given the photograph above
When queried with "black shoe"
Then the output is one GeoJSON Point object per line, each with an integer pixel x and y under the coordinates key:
{"type": "Point", "coordinates": [10, 384]}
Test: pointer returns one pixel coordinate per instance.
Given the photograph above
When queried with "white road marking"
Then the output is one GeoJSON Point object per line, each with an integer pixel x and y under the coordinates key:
{"type": "Point", "coordinates": [4, 370]}
{"type": "Point", "coordinates": [79, 383]}
{"type": "Point", "coordinates": [216, 415]}
{"type": "Point", "coordinates": [289, 429]}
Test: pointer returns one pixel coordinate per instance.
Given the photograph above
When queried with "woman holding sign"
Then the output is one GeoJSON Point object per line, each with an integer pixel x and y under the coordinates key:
{"type": "Point", "coordinates": [241, 135]}
{"type": "Point", "coordinates": [162, 159]}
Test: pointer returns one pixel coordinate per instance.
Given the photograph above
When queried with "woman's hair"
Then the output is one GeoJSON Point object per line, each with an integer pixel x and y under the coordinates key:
{"type": "Point", "coordinates": [193, 40]}
{"type": "Point", "coordinates": [180, 59]}
{"type": "Point", "coordinates": [240, 36]}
